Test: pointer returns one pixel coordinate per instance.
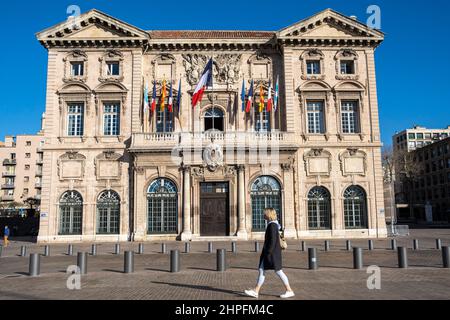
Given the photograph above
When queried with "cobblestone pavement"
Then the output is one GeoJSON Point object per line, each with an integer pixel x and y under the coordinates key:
{"type": "Point", "coordinates": [424, 279]}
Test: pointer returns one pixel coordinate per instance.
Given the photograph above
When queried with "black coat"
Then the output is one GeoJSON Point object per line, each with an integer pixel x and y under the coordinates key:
{"type": "Point", "coordinates": [271, 254]}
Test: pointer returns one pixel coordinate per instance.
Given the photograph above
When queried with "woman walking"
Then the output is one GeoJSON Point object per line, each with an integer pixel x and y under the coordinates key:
{"type": "Point", "coordinates": [271, 256]}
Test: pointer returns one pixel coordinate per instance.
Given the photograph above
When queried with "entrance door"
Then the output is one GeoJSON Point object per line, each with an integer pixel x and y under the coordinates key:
{"type": "Point", "coordinates": [214, 209]}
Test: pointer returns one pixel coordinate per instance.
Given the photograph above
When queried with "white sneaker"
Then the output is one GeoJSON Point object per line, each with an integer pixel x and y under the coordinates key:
{"type": "Point", "coordinates": [288, 294]}
{"type": "Point", "coordinates": [251, 293]}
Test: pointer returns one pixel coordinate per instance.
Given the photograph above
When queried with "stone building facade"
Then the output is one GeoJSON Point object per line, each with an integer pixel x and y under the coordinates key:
{"type": "Point", "coordinates": [114, 172]}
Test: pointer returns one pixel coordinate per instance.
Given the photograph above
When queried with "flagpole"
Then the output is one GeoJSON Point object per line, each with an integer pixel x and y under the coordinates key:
{"type": "Point", "coordinates": [212, 87]}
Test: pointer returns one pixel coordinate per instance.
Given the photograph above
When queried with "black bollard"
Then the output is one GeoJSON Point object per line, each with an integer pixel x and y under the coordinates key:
{"type": "Point", "coordinates": [393, 244]}
{"type": "Point", "coordinates": [70, 250]}
{"type": "Point", "coordinates": [327, 245]}
{"type": "Point", "coordinates": [46, 251]}
{"type": "Point", "coordinates": [210, 247]}
{"type": "Point", "coordinates": [117, 248]}
{"type": "Point", "coordinates": [221, 263]}
{"type": "Point", "coordinates": [402, 258]}
{"type": "Point", "coordinates": [256, 246]}
{"type": "Point", "coordinates": [371, 245]}
{"type": "Point", "coordinates": [163, 248]}
{"type": "Point", "coordinates": [23, 251]}
{"type": "Point", "coordinates": [233, 247]}
{"type": "Point", "coordinates": [35, 265]}
{"type": "Point", "coordinates": [357, 258]}
{"type": "Point", "coordinates": [141, 248]}
{"type": "Point", "coordinates": [128, 264]}
{"type": "Point", "coordinates": [349, 245]}
{"type": "Point", "coordinates": [416, 244]}
{"type": "Point", "coordinates": [438, 244]}
{"type": "Point", "coordinates": [174, 261]}
{"type": "Point", "coordinates": [313, 263]}
{"type": "Point", "coordinates": [82, 262]}
{"type": "Point", "coordinates": [187, 247]}
{"type": "Point", "coordinates": [303, 246]}
{"type": "Point", "coordinates": [446, 257]}
{"type": "Point", "coordinates": [94, 250]}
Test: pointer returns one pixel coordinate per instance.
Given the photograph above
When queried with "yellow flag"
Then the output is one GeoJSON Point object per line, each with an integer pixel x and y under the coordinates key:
{"type": "Point", "coordinates": [163, 95]}
{"type": "Point", "coordinates": [261, 98]}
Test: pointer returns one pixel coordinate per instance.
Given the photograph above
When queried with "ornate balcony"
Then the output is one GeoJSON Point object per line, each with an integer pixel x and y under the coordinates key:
{"type": "Point", "coordinates": [8, 186]}
{"type": "Point", "coordinates": [7, 198]}
{"type": "Point", "coordinates": [9, 162]}
{"type": "Point", "coordinates": [165, 142]}
{"type": "Point", "coordinates": [8, 174]}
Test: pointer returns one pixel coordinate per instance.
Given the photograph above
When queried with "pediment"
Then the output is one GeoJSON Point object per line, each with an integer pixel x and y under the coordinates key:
{"type": "Point", "coordinates": [95, 32]}
{"type": "Point", "coordinates": [315, 86]}
{"type": "Point", "coordinates": [330, 24]}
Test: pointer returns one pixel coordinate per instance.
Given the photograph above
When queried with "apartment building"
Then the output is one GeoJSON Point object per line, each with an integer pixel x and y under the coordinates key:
{"type": "Point", "coordinates": [418, 137]}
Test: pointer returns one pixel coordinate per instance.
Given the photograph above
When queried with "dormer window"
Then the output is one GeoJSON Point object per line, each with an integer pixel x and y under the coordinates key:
{"type": "Point", "coordinates": [347, 67]}
{"type": "Point", "coordinates": [113, 68]}
{"type": "Point", "coordinates": [313, 67]}
{"type": "Point", "coordinates": [77, 69]}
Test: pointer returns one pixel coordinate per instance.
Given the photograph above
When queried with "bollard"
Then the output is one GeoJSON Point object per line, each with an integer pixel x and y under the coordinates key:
{"type": "Point", "coordinates": [357, 258]}
{"type": "Point", "coordinates": [1, 250]}
{"type": "Point", "coordinates": [35, 265]}
{"type": "Point", "coordinates": [187, 247]}
{"type": "Point", "coordinates": [174, 261]}
{"type": "Point", "coordinates": [256, 246]}
{"type": "Point", "coordinates": [438, 244]}
{"type": "Point", "coordinates": [327, 245]}
{"type": "Point", "coordinates": [393, 244]}
{"type": "Point", "coordinates": [82, 262]}
{"type": "Point", "coordinates": [210, 247]}
{"type": "Point", "coordinates": [23, 251]}
{"type": "Point", "coordinates": [163, 248]}
{"type": "Point", "coordinates": [446, 257]}
{"type": "Point", "coordinates": [370, 245]}
{"type": "Point", "coordinates": [221, 264]}
{"type": "Point", "coordinates": [303, 246]}
{"type": "Point", "coordinates": [349, 245]}
{"type": "Point", "coordinates": [402, 258]}
{"type": "Point", "coordinates": [117, 248]}
{"type": "Point", "coordinates": [128, 264]}
{"type": "Point", "coordinates": [233, 247]}
{"type": "Point", "coordinates": [70, 250]}
{"type": "Point", "coordinates": [313, 263]}
{"type": "Point", "coordinates": [94, 250]}
{"type": "Point", "coordinates": [141, 248]}
{"type": "Point", "coordinates": [416, 244]}
{"type": "Point", "coordinates": [46, 251]}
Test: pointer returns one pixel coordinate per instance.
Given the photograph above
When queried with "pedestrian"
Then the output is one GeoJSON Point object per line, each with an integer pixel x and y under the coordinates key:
{"type": "Point", "coordinates": [271, 256]}
{"type": "Point", "coordinates": [5, 236]}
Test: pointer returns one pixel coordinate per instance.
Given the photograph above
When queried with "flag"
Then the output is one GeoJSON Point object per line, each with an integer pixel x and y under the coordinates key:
{"type": "Point", "coordinates": [171, 98]}
{"type": "Point", "coordinates": [179, 99]}
{"type": "Point", "coordinates": [261, 98]}
{"type": "Point", "coordinates": [275, 100]}
{"type": "Point", "coordinates": [163, 95]}
{"type": "Point", "coordinates": [249, 99]}
{"type": "Point", "coordinates": [269, 98]}
{"type": "Point", "coordinates": [154, 98]}
{"type": "Point", "coordinates": [243, 95]}
{"type": "Point", "coordinates": [206, 80]}
{"type": "Point", "coordinates": [146, 104]}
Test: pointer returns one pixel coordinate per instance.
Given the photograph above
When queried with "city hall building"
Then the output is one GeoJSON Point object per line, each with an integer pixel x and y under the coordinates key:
{"type": "Point", "coordinates": [116, 171]}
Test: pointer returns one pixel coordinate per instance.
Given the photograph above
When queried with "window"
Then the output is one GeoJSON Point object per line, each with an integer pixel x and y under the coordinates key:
{"type": "Point", "coordinates": [10, 181]}
{"type": "Point", "coordinates": [71, 213]}
{"type": "Point", "coordinates": [262, 120]}
{"type": "Point", "coordinates": [427, 135]}
{"type": "Point", "coordinates": [214, 119]}
{"type": "Point", "coordinates": [319, 213]}
{"type": "Point", "coordinates": [27, 167]}
{"type": "Point", "coordinates": [315, 117]}
{"type": "Point", "coordinates": [355, 208]}
{"type": "Point", "coordinates": [77, 69]}
{"type": "Point", "coordinates": [75, 126]}
{"type": "Point", "coordinates": [420, 136]}
{"type": "Point", "coordinates": [349, 113]}
{"type": "Point", "coordinates": [162, 206]}
{"type": "Point", "coordinates": [164, 120]}
{"type": "Point", "coordinates": [411, 135]}
{"type": "Point", "coordinates": [13, 156]}
{"type": "Point", "coordinates": [113, 68]}
{"type": "Point", "coordinates": [108, 213]}
{"type": "Point", "coordinates": [313, 67]}
{"type": "Point", "coordinates": [412, 145]}
{"type": "Point", "coordinates": [28, 143]}
{"type": "Point", "coordinates": [111, 119]}
{"type": "Point", "coordinates": [28, 155]}
{"type": "Point", "coordinates": [265, 193]}
{"type": "Point", "coordinates": [347, 67]}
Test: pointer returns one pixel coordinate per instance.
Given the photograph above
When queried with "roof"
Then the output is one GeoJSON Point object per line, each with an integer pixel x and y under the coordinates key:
{"type": "Point", "coordinates": [209, 34]}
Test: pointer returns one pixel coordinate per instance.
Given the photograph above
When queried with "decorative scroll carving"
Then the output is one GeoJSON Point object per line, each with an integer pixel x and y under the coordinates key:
{"type": "Point", "coordinates": [312, 54]}
{"type": "Point", "coordinates": [346, 54]}
{"type": "Point", "coordinates": [71, 166]}
{"type": "Point", "coordinates": [353, 162]}
{"type": "Point", "coordinates": [317, 162]}
{"type": "Point", "coordinates": [111, 56]}
{"type": "Point", "coordinates": [108, 165]}
{"type": "Point", "coordinates": [259, 59]}
{"type": "Point", "coordinates": [75, 56]}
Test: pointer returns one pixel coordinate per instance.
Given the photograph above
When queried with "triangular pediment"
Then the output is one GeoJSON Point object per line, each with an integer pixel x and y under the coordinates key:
{"type": "Point", "coordinates": [92, 25]}
{"type": "Point", "coordinates": [330, 24]}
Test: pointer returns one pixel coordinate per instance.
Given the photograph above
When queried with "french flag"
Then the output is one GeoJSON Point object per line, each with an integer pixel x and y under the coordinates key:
{"type": "Point", "coordinates": [154, 98]}
{"type": "Point", "coordinates": [205, 81]}
{"type": "Point", "coordinates": [171, 98]}
{"type": "Point", "coordinates": [249, 99]}
{"type": "Point", "coordinates": [270, 99]}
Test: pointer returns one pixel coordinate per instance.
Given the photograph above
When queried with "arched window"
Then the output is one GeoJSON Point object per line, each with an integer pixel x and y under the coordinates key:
{"type": "Point", "coordinates": [108, 213]}
{"type": "Point", "coordinates": [355, 208]}
{"type": "Point", "coordinates": [319, 212]}
{"type": "Point", "coordinates": [162, 197]}
{"type": "Point", "coordinates": [214, 119]}
{"type": "Point", "coordinates": [71, 213]}
{"type": "Point", "coordinates": [265, 193]}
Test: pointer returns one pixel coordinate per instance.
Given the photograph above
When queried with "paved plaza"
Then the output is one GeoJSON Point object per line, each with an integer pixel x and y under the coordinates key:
{"type": "Point", "coordinates": [198, 280]}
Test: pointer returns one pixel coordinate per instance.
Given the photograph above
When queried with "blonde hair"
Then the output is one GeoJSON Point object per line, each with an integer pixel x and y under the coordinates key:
{"type": "Point", "coordinates": [271, 214]}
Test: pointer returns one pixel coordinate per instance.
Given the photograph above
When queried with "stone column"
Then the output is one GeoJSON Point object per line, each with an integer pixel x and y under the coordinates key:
{"type": "Point", "coordinates": [187, 226]}
{"type": "Point", "coordinates": [242, 230]}
{"type": "Point", "coordinates": [288, 201]}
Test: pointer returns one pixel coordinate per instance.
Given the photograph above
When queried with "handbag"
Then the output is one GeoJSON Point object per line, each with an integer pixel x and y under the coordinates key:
{"type": "Point", "coordinates": [283, 242]}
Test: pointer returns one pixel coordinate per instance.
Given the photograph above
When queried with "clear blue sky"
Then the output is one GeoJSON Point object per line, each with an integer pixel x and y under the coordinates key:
{"type": "Point", "coordinates": [413, 64]}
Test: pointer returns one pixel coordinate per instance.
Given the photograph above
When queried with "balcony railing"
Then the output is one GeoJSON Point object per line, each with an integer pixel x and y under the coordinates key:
{"type": "Point", "coordinates": [8, 186]}
{"type": "Point", "coordinates": [40, 161]}
{"type": "Point", "coordinates": [167, 141]}
{"type": "Point", "coordinates": [38, 185]}
{"type": "Point", "coordinates": [9, 162]}
{"type": "Point", "coordinates": [8, 174]}
{"type": "Point", "coordinates": [38, 173]}
{"type": "Point", "coordinates": [6, 198]}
